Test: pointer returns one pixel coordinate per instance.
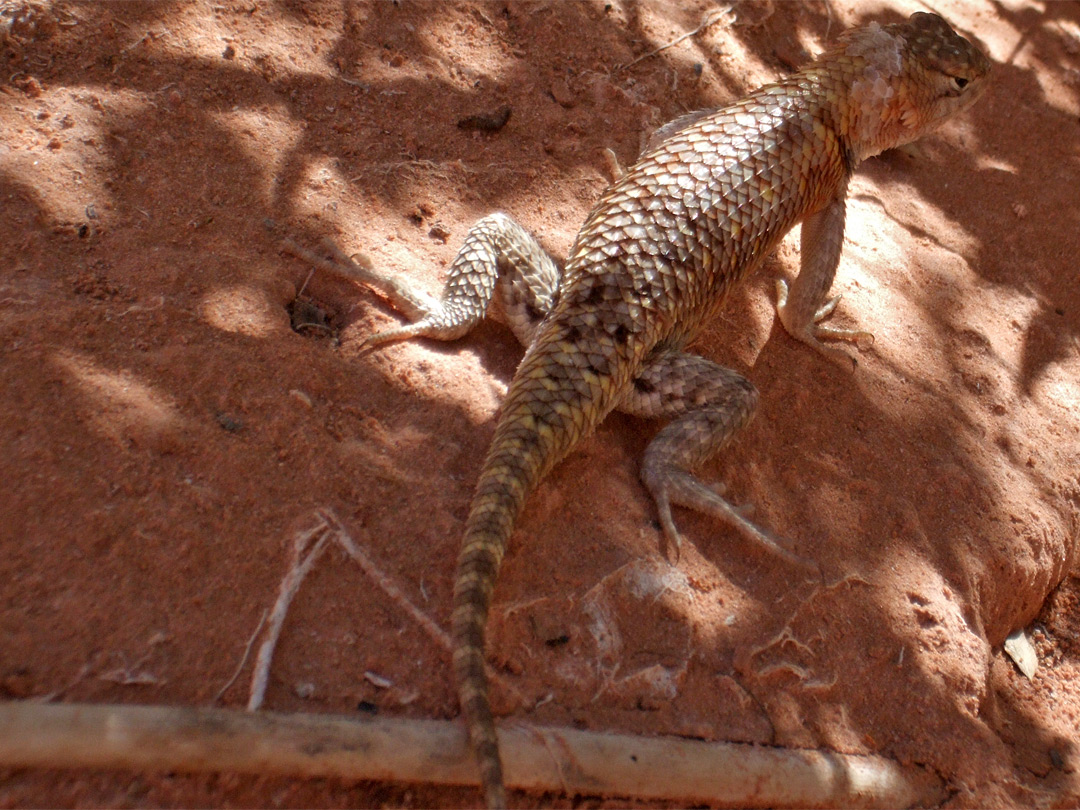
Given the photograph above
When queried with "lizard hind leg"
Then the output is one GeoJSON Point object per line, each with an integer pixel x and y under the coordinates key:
{"type": "Point", "coordinates": [498, 254]}
{"type": "Point", "coordinates": [708, 405]}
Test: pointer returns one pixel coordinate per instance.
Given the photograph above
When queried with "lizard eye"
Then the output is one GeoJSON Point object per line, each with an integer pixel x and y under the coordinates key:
{"type": "Point", "coordinates": [960, 82]}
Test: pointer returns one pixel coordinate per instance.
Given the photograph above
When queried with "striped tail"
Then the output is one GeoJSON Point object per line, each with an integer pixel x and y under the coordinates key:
{"type": "Point", "coordinates": [491, 521]}
{"type": "Point", "coordinates": [544, 416]}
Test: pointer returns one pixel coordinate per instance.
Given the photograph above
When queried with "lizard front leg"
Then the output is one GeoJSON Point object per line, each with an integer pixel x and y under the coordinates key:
{"type": "Point", "coordinates": [802, 308]}
{"type": "Point", "coordinates": [708, 405]}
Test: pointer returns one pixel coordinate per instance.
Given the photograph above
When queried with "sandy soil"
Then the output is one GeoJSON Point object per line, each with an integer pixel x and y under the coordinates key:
{"type": "Point", "coordinates": [166, 432]}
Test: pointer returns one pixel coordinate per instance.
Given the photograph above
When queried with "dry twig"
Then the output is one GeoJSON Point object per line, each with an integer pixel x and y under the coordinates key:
{"type": "Point", "coordinates": [389, 587]}
{"type": "Point", "coordinates": [243, 658]}
{"type": "Point", "coordinates": [289, 586]}
{"type": "Point", "coordinates": [329, 527]}
{"type": "Point", "coordinates": [709, 19]}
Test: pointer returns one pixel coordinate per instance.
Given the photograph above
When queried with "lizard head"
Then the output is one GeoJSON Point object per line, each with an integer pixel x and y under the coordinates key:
{"type": "Point", "coordinates": [906, 79]}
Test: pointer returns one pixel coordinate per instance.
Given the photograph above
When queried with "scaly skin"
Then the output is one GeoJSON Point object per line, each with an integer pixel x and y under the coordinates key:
{"type": "Point", "coordinates": [652, 264]}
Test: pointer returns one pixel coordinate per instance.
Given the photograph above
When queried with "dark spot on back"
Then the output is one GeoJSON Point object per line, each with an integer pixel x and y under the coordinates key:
{"type": "Point", "coordinates": [644, 386]}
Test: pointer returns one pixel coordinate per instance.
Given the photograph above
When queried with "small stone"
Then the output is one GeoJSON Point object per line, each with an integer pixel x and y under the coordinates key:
{"type": "Point", "coordinates": [301, 397]}
{"type": "Point", "coordinates": [1020, 649]}
{"type": "Point", "coordinates": [561, 92]}
{"type": "Point", "coordinates": [439, 232]}
{"type": "Point", "coordinates": [228, 422]}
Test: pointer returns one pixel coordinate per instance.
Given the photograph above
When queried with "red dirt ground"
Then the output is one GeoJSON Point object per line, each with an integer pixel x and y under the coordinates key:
{"type": "Point", "coordinates": [165, 432]}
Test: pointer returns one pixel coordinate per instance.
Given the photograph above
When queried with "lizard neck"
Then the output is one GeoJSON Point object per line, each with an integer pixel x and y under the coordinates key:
{"type": "Point", "coordinates": [865, 94]}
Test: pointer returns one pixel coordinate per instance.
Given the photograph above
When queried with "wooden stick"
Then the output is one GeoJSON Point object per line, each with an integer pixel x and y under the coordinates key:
{"type": "Point", "coordinates": [34, 735]}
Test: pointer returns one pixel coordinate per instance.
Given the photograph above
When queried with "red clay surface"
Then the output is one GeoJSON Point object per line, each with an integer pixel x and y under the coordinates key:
{"type": "Point", "coordinates": [166, 433]}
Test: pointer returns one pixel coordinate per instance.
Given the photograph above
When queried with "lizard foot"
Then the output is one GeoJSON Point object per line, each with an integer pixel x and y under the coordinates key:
{"type": "Point", "coordinates": [683, 489]}
{"type": "Point", "coordinates": [812, 333]}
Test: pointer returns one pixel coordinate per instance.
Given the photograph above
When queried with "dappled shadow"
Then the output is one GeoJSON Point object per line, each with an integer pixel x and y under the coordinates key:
{"type": "Point", "coordinates": [204, 139]}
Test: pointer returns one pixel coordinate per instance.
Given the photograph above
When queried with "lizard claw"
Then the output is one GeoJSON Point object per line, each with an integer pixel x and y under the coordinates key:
{"type": "Point", "coordinates": [781, 293]}
{"type": "Point", "coordinates": [826, 309]}
{"type": "Point", "coordinates": [688, 491]}
{"type": "Point", "coordinates": [392, 335]}
{"type": "Point", "coordinates": [672, 534]}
